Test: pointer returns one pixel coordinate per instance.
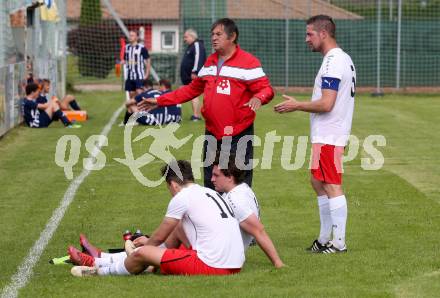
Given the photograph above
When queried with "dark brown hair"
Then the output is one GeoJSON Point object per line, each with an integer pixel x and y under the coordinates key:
{"type": "Point", "coordinates": [228, 25]}
{"type": "Point", "coordinates": [185, 169]}
{"type": "Point", "coordinates": [31, 88]}
{"type": "Point", "coordinates": [323, 22]}
{"type": "Point", "coordinates": [165, 83]}
{"type": "Point", "coordinates": [232, 170]}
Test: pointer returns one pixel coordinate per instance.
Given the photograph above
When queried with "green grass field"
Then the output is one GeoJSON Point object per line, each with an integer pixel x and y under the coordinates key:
{"type": "Point", "coordinates": [73, 74]}
{"type": "Point", "coordinates": [392, 232]}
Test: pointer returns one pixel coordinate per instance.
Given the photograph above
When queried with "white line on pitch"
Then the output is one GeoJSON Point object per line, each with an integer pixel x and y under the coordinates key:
{"type": "Point", "coordinates": [25, 270]}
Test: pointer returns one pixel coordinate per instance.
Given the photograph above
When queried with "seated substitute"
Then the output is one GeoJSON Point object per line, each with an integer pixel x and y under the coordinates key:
{"type": "Point", "coordinates": [201, 235]}
{"type": "Point", "coordinates": [148, 92]}
{"type": "Point", "coordinates": [131, 104]}
{"type": "Point", "coordinates": [229, 180]}
{"type": "Point", "coordinates": [160, 115]}
{"type": "Point", "coordinates": [67, 103]}
{"type": "Point", "coordinates": [42, 114]}
{"type": "Point", "coordinates": [174, 112]}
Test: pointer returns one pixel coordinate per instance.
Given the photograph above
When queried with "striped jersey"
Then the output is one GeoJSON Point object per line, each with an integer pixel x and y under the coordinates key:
{"type": "Point", "coordinates": [135, 56]}
{"type": "Point", "coordinates": [159, 115]}
{"type": "Point", "coordinates": [31, 113]}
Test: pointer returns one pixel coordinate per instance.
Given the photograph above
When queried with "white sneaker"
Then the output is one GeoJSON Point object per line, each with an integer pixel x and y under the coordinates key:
{"type": "Point", "coordinates": [129, 247]}
{"type": "Point", "coordinates": [81, 271]}
{"type": "Point", "coordinates": [330, 248]}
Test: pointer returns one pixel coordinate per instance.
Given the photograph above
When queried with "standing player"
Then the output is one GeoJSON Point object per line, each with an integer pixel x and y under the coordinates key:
{"type": "Point", "coordinates": [331, 115]}
{"type": "Point", "coordinates": [234, 87]}
{"type": "Point", "coordinates": [192, 61]}
{"type": "Point", "coordinates": [137, 65]}
{"type": "Point", "coordinates": [230, 181]}
{"type": "Point", "coordinates": [198, 219]}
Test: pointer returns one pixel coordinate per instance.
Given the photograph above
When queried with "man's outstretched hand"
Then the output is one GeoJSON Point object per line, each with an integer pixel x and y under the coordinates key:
{"type": "Point", "coordinates": [290, 104]}
{"type": "Point", "coordinates": [147, 104]}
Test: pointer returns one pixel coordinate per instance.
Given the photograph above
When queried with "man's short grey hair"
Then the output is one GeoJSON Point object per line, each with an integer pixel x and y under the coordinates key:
{"type": "Point", "coordinates": [192, 32]}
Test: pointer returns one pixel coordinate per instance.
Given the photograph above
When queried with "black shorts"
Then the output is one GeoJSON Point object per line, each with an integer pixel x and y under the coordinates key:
{"type": "Point", "coordinates": [133, 85]}
{"type": "Point", "coordinates": [209, 150]}
{"type": "Point", "coordinates": [44, 118]}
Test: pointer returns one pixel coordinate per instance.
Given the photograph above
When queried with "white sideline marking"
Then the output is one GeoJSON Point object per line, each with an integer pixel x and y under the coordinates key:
{"type": "Point", "coordinates": [25, 270]}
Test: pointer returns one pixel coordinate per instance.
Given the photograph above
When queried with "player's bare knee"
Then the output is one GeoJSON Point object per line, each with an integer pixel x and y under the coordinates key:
{"type": "Point", "coordinates": [137, 260]}
{"type": "Point", "coordinates": [134, 264]}
{"type": "Point", "coordinates": [333, 190]}
{"type": "Point", "coordinates": [139, 253]}
{"type": "Point", "coordinates": [317, 185]}
{"type": "Point", "coordinates": [54, 106]}
{"type": "Point", "coordinates": [149, 255]}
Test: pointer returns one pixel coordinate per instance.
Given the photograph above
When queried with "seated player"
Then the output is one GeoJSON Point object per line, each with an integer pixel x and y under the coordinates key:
{"type": "Point", "coordinates": [174, 112]}
{"type": "Point", "coordinates": [229, 180]}
{"type": "Point", "coordinates": [160, 115]}
{"type": "Point", "coordinates": [41, 114]}
{"type": "Point", "coordinates": [42, 96]}
{"type": "Point", "coordinates": [201, 234]}
{"type": "Point", "coordinates": [164, 86]}
{"type": "Point", "coordinates": [68, 102]}
{"type": "Point", "coordinates": [148, 92]}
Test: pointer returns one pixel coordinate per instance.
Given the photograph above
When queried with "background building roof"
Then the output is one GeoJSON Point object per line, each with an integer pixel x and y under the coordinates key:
{"type": "Point", "coordinates": [236, 9]}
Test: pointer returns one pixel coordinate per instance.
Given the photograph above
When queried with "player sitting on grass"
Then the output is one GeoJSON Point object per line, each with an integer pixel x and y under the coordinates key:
{"type": "Point", "coordinates": [148, 92]}
{"type": "Point", "coordinates": [41, 114]}
{"type": "Point", "coordinates": [201, 235]}
{"type": "Point", "coordinates": [174, 112]}
{"type": "Point", "coordinates": [243, 202]}
{"type": "Point", "coordinates": [229, 180]}
{"type": "Point", "coordinates": [158, 116]}
{"type": "Point", "coordinates": [68, 102]}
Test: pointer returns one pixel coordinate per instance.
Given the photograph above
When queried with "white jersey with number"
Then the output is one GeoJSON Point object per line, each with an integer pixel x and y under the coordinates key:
{"type": "Point", "coordinates": [210, 226]}
{"type": "Point", "coordinates": [334, 127]}
{"type": "Point", "coordinates": [244, 203]}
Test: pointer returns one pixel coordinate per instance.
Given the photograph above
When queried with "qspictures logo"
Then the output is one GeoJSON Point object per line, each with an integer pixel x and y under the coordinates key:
{"type": "Point", "coordinates": [163, 141]}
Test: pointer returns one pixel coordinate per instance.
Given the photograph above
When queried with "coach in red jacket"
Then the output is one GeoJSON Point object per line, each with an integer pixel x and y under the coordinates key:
{"type": "Point", "coordinates": [234, 87]}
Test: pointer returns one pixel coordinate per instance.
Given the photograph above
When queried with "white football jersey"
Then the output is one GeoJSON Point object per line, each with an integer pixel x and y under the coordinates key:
{"type": "Point", "coordinates": [244, 202]}
{"type": "Point", "coordinates": [334, 127]}
{"type": "Point", "coordinates": [210, 226]}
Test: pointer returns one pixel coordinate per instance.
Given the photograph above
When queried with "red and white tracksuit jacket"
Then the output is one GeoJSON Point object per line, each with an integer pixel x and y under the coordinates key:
{"type": "Point", "coordinates": [225, 91]}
